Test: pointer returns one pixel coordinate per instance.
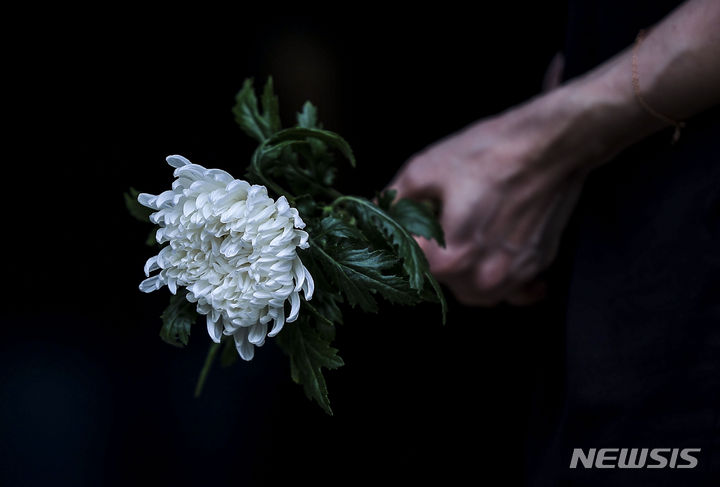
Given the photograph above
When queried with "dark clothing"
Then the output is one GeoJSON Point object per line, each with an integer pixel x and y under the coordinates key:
{"type": "Point", "coordinates": [640, 347]}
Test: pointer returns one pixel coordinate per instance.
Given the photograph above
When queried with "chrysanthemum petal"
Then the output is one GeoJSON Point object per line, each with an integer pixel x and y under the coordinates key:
{"type": "Point", "coordinates": [172, 285]}
{"type": "Point", "coordinates": [164, 199]}
{"type": "Point", "coordinates": [257, 333]}
{"type": "Point", "coordinates": [151, 284]}
{"type": "Point", "coordinates": [214, 328]}
{"type": "Point", "coordinates": [234, 249]}
{"type": "Point", "coordinates": [278, 325]}
{"type": "Point", "coordinates": [147, 200]}
{"type": "Point", "coordinates": [177, 161]}
{"type": "Point", "coordinates": [244, 347]}
{"type": "Point", "coordinates": [294, 307]}
{"type": "Point", "coordinates": [309, 286]}
{"type": "Point", "coordinates": [151, 265]}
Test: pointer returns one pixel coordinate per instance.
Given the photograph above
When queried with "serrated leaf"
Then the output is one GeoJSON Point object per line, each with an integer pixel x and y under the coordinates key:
{"type": "Point", "coordinates": [273, 157]}
{"type": "Point", "coordinates": [246, 112]}
{"type": "Point", "coordinates": [332, 226]}
{"type": "Point", "coordinates": [330, 308]}
{"type": "Point", "coordinates": [323, 324]}
{"type": "Point", "coordinates": [300, 134]}
{"type": "Point", "coordinates": [307, 118]}
{"type": "Point", "coordinates": [438, 292]}
{"type": "Point", "coordinates": [280, 162]}
{"type": "Point", "coordinates": [413, 259]}
{"type": "Point", "coordinates": [137, 210]}
{"type": "Point", "coordinates": [259, 126]}
{"type": "Point", "coordinates": [358, 273]}
{"type": "Point", "coordinates": [309, 353]}
{"type": "Point", "coordinates": [326, 298]}
{"type": "Point", "coordinates": [412, 256]}
{"type": "Point", "coordinates": [418, 219]}
{"type": "Point", "coordinates": [177, 319]}
{"type": "Point", "coordinates": [271, 107]}
{"type": "Point", "coordinates": [343, 279]}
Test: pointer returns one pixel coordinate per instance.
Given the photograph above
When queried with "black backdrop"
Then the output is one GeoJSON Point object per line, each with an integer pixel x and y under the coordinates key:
{"type": "Point", "coordinates": [89, 393]}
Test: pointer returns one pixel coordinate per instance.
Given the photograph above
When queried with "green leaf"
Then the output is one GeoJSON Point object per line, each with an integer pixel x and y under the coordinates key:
{"type": "Point", "coordinates": [309, 353]}
{"type": "Point", "coordinates": [418, 219]}
{"type": "Point", "coordinates": [331, 226]}
{"type": "Point", "coordinates": [358, 272]}
{"type": "Point", "coordinates": [273, 157]}
{"type": "Point", "coordinates": [326, 299]}
{"type": "Point", "coordinates": [323, 324]}
{"type": "Point", "coordinates": [137, 210]}
{"type": "Point", "coordinates": [328, 305]}
{"type": "Point", "coordinates": [307, 119]}
{"type": "Point", "coordinates": [321, 160]}
{"type": "Point", "coordinates": [301, 135]}
{"type": "Point", "coordinates": [438, 292]}
{"type": "Point", "coordinates": [413, 259]}
{"type": "Point", "coordinates": [177, 319]}
{"type": "Point", "coordinates": [247, 114]}
{"type": "Point", "coordinates": [271, 107]}
{"type": "Point", "coordinates": [259, 126]}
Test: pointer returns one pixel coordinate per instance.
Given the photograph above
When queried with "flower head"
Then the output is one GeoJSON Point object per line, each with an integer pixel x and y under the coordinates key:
{"type": "Point", "coordinates": [233, 248]}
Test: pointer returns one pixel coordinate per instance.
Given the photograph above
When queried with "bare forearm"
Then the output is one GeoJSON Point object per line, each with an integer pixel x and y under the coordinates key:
{"type": "Point", "coordinates": [679, 61]}
{"type": "Point", "coordinates": [507, 184]}
{"type": "Point", "coordinates": [589, 119]}
{"type": "Point", "coordinates": [677, 66]}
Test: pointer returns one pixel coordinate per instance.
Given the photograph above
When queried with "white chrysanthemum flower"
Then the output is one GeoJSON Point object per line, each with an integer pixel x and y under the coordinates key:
{"type": "Point", "coordinates": [233, 248]}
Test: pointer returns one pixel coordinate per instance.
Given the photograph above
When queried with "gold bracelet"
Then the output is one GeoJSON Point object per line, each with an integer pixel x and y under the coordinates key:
{"type": "Point", "coordinates": [636, 88]}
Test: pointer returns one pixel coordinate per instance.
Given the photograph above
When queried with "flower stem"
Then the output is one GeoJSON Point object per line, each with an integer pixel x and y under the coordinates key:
{"type": "Point", "coordinates": [212, 353]}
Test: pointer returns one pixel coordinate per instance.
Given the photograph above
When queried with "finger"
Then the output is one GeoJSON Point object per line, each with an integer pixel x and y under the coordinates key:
{"type": "Point", "coordinates": [483, 284]}
{"type": "Point", "coordinates": [415, 189]}
{"type": "Point", "coordinates": [415, 181]}
{"type": "Point", "coordinates": [436, 256]}
{"type": "Point", "coordinates": [490, 283]}
{"type": "Point", "coordinates": [451, 263]}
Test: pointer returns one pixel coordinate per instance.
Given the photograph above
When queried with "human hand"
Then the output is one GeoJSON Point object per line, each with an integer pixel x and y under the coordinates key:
{"type": "Point", "coordinates": [502, 226]}
{"type": "Point", "coordinates": [506, 187]}
{"type": "Point", "coordinates": [508, 184]}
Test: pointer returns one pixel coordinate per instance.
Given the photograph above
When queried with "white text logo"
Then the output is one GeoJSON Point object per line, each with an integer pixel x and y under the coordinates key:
{"type": "Point", "coordinates": [635, 458]}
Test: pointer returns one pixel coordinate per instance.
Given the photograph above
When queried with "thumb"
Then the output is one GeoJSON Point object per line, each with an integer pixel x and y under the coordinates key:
{"type": "Point", "coordinates": [414, 181]}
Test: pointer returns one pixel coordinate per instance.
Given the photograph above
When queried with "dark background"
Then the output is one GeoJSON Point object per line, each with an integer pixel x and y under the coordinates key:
{"type": "Point", "coordinates": [90, 395]}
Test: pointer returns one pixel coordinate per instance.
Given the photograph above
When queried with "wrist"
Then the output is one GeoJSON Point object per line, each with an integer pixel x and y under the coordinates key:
{"type": "Point", "coordinates": [607, 104]}
{"type": "Point", "coordinates": [585, 122]}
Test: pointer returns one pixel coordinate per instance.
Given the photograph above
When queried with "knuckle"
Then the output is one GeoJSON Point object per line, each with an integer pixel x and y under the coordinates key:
{"type": "Point", "coordinates": [468, 294]}
{"type": "Point", "coordinates": [448, 265]}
